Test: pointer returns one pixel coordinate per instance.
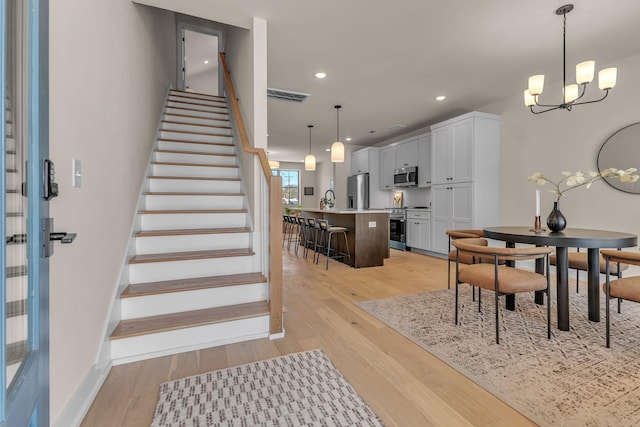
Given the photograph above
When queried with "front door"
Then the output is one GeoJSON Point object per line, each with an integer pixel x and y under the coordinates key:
{"type": "Point", "coordinates": [24, 270]}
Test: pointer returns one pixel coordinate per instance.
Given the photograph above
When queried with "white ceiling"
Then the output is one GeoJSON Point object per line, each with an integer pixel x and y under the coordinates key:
{"type": "Point", "coordinates": [387, 60]}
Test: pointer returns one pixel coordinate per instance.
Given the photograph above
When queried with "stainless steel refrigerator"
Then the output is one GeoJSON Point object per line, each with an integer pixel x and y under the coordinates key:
{"type": "Point", "coordinates": [358, 191]}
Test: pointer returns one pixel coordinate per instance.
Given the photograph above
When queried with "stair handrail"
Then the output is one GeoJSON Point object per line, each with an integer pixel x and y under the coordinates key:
{"type": "Point", "coordinates": [273, 202]}
{"type": "Point", "coordinates": [244, 137]}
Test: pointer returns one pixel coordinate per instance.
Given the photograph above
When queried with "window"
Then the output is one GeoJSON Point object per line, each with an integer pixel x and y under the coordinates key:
{"type": "Point", "coordinates": [290, 186]}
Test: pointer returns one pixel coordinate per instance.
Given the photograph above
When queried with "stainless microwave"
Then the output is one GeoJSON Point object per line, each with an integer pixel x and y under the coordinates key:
{"type": "Point", "coordinates": [406, 177]}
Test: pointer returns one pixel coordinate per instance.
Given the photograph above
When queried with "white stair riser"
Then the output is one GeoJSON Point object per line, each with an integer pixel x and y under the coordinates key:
{"type": "Point", "coordinates": [200, 148]}
{"type": "Point", "coordinates": [15, 202]}
{"type": "Point", "coordinates": [179, 136]}
{"type": "Point", "coordinates": [194, 185]}
{"type": "Point", "coordinates": [17, 288]}
{"type": "Point", "coordinates": [204, 114]}
{"type": "Point", "coordinates": [11, 143]}
{"type": "Point", "coordinates": [152, 222]}
{"type": "Point", "coordinates": [16, 329]}
{"type": "Point", "coordinates": [185, 127]}
{"type": "Point", "coordinates": [208, 109]}
{"type": "Point", "coordinates": [147, 346]}
{"type": "Point", "coordinates": [176, 302]}
{"type": "Point", "coordinates": [197, 95]}
{"type": "Point", "coordinates": [16, 254]}
{"type": "Point", "coordinates": [13, 181]}
{"type": "Point", "coordinates": [11, 161]}
{"type": "Point", "coordinates": [16, 225]}
{"type": "Point", "coordinates": [188, 269]}
{"type": "Point", "coordinates": [201, 159]}
{"type": "Point", "coordinates": [189, 118]}
{"type": "Point", "coordinates": [192, 202]}
{"type": "Point", "coordinates": [8, 128]}
{"type": "Point", "coordinates": [195, 171]}
{"type": "Point", "coordinates": [191, 242]}
{"type": "Point", "coordinates": [198, 102]}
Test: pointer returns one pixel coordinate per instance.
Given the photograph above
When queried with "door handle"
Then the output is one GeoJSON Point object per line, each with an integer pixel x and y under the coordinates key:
{"type": "Point", "coordinates": [63, 237]}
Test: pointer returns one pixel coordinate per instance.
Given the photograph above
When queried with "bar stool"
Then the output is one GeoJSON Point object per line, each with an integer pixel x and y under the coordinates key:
{"type": "Point", "coordinates": [311, 235]}
{"type": "Point", "coordinates": [285, 228]}
{"type": "Point", "coordinates": [329, 231]}
{"type": "Point", "coordinates": [293, 231]}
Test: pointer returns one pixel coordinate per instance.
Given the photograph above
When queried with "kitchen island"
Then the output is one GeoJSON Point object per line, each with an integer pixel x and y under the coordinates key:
{"type": "Point", "coordinates": [368, 233]}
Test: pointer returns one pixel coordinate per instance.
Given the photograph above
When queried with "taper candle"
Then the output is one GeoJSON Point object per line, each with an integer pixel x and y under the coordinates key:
{"type": "Point", "coordinates": [537, 202]}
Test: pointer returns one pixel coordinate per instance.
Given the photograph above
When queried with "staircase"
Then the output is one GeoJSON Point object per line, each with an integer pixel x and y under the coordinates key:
{"type": "Point", "coordinates": [16, 251]}
{"type": "Point", "coordinates": [194, 281]}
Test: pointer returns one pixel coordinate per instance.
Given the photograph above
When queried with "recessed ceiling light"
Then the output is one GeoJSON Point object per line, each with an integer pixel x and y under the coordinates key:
{"type": "Point", "coordinates": [348, 138]}
{"type": "Point", "coordinates": [327, 149]}
{"type": "Point", "coordinates": [206, 61]}
{"type": "Point", "coordinates": [440, 98]}
{"type": "Point", "coordinates": [320, 75]}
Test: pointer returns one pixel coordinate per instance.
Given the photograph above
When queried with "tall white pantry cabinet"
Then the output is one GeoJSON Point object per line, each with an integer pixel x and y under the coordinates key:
{"type": "Point", "coordinates": [465, 175]}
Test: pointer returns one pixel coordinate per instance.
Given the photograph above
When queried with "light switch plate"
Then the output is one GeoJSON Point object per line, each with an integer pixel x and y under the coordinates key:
{"type": "Point", "coordinates": [76, 170]}
{"type": "Point", "coordinates": [372, 224]}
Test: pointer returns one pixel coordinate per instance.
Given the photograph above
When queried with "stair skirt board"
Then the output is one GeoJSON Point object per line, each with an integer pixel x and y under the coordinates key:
{"type": "Point", "coordinates": [188, 202]}
{"type": "Point", "coordinates": [200, 171]}
{"type": "Point", "coordinates": [189, 269]}
{"type": "Point", "coordinates": [185, 221]}
{"type": "Point", "coordinates": [192, 242]}
{"type": "Point", "coordinates": [127, 350]}
{"type": "Point", "coordinates": [167, 184]}
{"type": "Point", "coordinates": [176, 302]}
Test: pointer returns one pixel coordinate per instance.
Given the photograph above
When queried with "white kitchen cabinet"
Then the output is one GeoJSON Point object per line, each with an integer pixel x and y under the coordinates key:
{"type": "Point", "coordinates": [424, 160]}
{"type": "Point", "coordinates": [465, 167]}
{"type": "Point", "coordinates": [388, 159]}
{"type": "Point", "coordinates": [452, 152]}
{"type": "Point", "coordinates": [452, 209]}
{"type": "Point", "coordinates": [360, 162]}
{"type": "Point", "coordinates": [419, 229]}
{"type": "Point", "coordinates": [407, 153]}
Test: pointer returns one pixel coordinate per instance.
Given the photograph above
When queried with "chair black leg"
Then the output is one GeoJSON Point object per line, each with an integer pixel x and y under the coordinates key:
{"type": "Point", "coordinates": [497, 299]}
{"type": "Point", "coordinates": [457, 282]}
{"type": "Point", "coordinates": [479, 300]}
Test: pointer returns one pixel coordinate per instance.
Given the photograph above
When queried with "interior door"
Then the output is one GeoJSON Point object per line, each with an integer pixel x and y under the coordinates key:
{"type": "Point", "coordinates": [24, 270]}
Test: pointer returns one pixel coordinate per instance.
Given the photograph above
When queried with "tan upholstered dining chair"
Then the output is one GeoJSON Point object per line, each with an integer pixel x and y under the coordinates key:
{"type": "Point", "coordinates": [464, 258]}
{"type": "Point", "coordinates": [500, 279]}
{"type": "Point", "coordinates": [578, 262]}
{"type": "Point", "coordinates": [627, 288]}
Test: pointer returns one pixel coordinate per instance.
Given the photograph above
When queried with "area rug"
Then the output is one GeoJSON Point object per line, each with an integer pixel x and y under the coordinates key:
{"type": "Point", "coordinates": [570, 380]}
{"type": "Point", "coordinates": [300, 389]}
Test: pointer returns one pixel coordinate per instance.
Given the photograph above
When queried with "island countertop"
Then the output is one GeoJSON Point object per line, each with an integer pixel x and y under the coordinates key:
{"type": "Point", "coordinates": [368, 232]}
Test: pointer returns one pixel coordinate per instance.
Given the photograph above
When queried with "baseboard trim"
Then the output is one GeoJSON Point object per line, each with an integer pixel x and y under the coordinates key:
{"type": "Point", "coordinates": [79, 404]}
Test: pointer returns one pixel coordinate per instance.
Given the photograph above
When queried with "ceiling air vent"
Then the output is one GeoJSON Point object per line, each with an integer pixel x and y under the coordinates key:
{"type": "Point", "coordinates": [287, 95]}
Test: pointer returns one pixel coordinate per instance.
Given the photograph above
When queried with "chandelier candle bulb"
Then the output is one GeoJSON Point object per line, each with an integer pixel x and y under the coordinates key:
{"type": "Point", "coordinates": [584, 72]}
{"type": "Point", "coordinates": [570, 93]}
{"type": "Point", "coordinates": [536, 84]}
{"type": "Point", "coordinates": [607, 78]}
{"type": "Point", "coordinates": [529, 100]}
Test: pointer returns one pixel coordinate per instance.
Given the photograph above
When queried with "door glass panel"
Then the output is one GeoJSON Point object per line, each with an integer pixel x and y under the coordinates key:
{"type": "Point", "coordinates": [17, 280]}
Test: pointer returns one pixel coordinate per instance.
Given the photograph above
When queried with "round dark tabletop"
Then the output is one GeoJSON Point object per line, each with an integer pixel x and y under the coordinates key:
{"type": "Point", "coordinates": [569, 237]}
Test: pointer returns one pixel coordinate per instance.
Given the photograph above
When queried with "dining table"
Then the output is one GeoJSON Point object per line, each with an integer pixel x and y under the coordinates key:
{"type": "Point", "coordinates": [592, 240]}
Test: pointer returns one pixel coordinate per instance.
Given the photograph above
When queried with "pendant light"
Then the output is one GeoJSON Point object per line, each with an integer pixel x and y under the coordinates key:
{"type": "Point", "coordinates": [309, 159]}
{"type": "Point", "coordinates": [337, 148]}
{"type": "Point", "coordinates": [574, 92]}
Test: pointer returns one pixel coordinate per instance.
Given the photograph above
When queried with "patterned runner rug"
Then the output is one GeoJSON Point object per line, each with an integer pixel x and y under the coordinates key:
{"type": "Point", "coordinates": [570, 380]}
{"type": "Point", "coordinates": [301, 389]}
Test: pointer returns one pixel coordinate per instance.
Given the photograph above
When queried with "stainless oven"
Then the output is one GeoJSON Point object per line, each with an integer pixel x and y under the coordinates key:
{"type": "Point", "coordinates": [398, 228]}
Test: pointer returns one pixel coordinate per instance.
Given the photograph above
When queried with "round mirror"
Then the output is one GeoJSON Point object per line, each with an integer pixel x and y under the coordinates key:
{"type": "Point", "coordinates": [622, 151]}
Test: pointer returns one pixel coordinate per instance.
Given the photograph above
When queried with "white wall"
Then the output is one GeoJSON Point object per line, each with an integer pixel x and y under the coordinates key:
{"type": "Point", "coordinates": [559, 141]}
{"type": "Point", "coordinates": [110, 66]}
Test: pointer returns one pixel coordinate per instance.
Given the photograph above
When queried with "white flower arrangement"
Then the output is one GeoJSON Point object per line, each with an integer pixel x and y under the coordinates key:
{"type": "Point", "coordinates": [578, 179]}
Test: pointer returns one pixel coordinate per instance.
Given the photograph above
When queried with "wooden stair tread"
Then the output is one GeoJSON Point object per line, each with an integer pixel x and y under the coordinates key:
{"type": "Point", "coordinates": [182, 285]}
{"type": "Point", "coordinates": [208, 165]}
{"type": "Point", "coordinates": [195, 124]}
{"type": "Point", "coordinates": [188, 193]}
{"type": "Point", "coordinates": [185, 93]}
{"type": "Point", "coordinates": [196, 178]}
{"type": "Point", "coordinates": [194, 117]}
{"type": "Point", "coordinates": [15, 352]}
{"type": "Point", "coordinates": [191, 231]}
{"type": "Point", "coordinates": [184, 256]}
{"type": "Point", "coordinates": [191, 211]}
{"type": "Point", "coordinates": [189, 319]}
{"type": "Point", "coordinates": [201, 153]}
{"type": "Point", "coordinates": [222, 144]}
{"type": "Point", "coordinates": [195, 133]}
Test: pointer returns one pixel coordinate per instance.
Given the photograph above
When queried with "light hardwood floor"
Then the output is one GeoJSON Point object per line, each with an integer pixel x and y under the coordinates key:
{"type": "Point", "coordinates": [404, 384]}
